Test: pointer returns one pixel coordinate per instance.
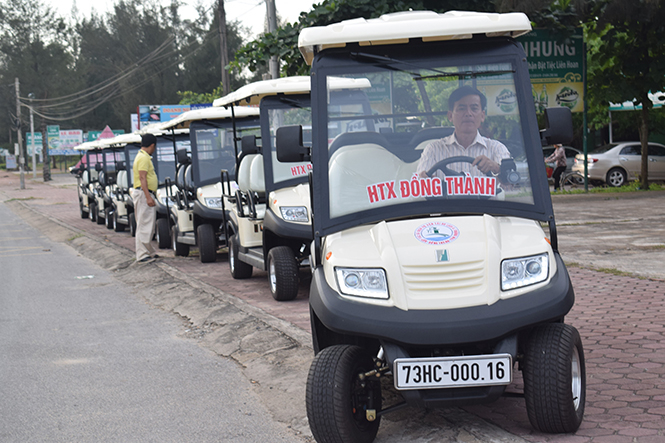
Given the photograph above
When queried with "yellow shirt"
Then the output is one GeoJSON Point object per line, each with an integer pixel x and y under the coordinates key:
{"type": "Point", "coordinates": [143, 162]}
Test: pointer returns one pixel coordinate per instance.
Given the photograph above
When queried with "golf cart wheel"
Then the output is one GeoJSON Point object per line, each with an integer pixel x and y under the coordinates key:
{"type": "Point", "coordinates": [179, 249]}
{"type": "Point", "coordinates": [109, 219]}
{"type": "Point", "coordinates": [282, 273]}
{"type": "Point", "coordinates": [205, 237]}
{"type": "Point", "coordinates": [163, 233]}
{"type": "Point", "coordinates": [239, 269]}
{"type": "Point", "coordinates": [84, 213]}
{"type": "Point", "coordinates": [100, 219]}
{"type": "Point", "coordinates": [337, 400]}
{"type": "Point", "coordinates": [92, 212]}
{"type": "Point", "coordinates": [554, 378]}
{"type": "Point", "coordinates": [117, 226]}
{"type": "Point", "coordinates": [132, 224]}
{"type": "Point", "coordinates": [616, 177]}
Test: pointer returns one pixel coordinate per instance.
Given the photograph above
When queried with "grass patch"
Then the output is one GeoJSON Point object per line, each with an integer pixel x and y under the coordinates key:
{"type": "Point", "coordinates": [21, 199]}
{"type": "Point", "coordinates": [610, 271]}
{"type": "Point", "coordinates": [630, 187]}
{"type": "Point", "coordinates": [74, 237]}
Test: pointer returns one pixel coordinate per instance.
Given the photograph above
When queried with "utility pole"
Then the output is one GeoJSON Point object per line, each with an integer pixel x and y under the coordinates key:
{"type": "Point", "coordinates": [32, 138]}
{"type": "Point", "coordinates": [272, 27]}
{"type": "Point", "coordinates": [21, 158]}
{"type": "Point", "coordinates": [223, 48]}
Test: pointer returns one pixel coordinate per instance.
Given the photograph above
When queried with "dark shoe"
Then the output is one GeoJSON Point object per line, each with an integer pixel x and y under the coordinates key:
{"type": "Point", "coordinates": [146, 260]}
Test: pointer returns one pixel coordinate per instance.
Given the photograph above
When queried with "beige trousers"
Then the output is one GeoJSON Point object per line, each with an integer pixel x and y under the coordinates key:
{"type": "Point", "coordinates": [145, 224]}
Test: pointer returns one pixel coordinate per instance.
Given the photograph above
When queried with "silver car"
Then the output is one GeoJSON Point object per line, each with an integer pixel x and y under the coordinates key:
{"type": "Point", "coordinates": [618, 163]}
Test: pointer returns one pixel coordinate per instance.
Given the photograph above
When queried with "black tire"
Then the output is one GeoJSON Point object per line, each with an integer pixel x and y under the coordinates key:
{"type": "Point", "coordinates": [283, 273]}
{"type": "Point", "coordinates": [616, 177]}
{"type": "Point", "coordinates": [84, 213]}
{"type": "Point", "coordinates": [109, 219]}
{"type": "Point", "coordinates": [92, 212]}
{"type": "Point", "coordinates": [163, 233]}
{"type": "Point", "coordinates": [117, 226]}
{"type": "Point", "coordinates": [239, 269]}
{"type": "Point", "coordinates": [132, 224]}
{"type": "Point", "coordinates": [100, 219]}
{"type": "Point", "coordinates": [336, 399]}
{"type": "Point", "coordinates": [207, 243]}
{"type": "Point", "coordinates": [554, 378]}
{"type": "Point", "coordinates": [179, 249]}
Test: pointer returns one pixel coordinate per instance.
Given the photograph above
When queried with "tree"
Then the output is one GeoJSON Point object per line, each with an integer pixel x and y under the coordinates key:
{"type": "Point", "coordinates": [628, 59]}
{"type": "Point", "coordinates": [33, 47]}
{"type": "Point", "coordinates": [284, 42]}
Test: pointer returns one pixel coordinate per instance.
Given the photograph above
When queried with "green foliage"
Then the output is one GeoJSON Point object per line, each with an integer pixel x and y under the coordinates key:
{"type": "Point", "coordinates": [284, 42]}
{"type": "Point", "coordinates": [190, 98]}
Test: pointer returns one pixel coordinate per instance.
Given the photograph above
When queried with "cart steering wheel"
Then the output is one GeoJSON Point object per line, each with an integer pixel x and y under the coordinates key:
{"type": "Point", "coordinates": [442, 165]}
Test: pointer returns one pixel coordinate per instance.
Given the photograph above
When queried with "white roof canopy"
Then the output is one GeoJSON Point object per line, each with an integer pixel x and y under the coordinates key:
{"type": "Point", "coordinates": [184, 119]}
{"type": "Point", "coordinates": [252, 93]}
{"type": "Point", "coordinates": [400, 27]}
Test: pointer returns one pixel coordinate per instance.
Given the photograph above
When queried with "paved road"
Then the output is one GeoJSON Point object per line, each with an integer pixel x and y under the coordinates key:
{"type": "Point", "coordinates": [85, 360]}
{"type": "Point", "coordinates": [620, 318]}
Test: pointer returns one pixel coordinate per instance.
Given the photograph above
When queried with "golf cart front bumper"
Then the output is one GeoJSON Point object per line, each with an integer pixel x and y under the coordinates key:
{"type": "Point", "coordinates": [442, 327]}
{"type": "Point", "coordinates": [209, 214]}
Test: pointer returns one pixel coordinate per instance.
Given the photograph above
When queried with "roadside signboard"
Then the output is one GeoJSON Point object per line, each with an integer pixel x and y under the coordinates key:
{"type": "Point", "coordinates": [556, 67]}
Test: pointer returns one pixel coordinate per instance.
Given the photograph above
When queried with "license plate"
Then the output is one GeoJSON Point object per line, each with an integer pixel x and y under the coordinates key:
{"type": "Point", "coordinates": [453, 372]}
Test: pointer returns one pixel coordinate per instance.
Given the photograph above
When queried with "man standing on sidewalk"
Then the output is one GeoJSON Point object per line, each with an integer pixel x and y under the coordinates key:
{"type": "Point", "coordinates": [145, 186]}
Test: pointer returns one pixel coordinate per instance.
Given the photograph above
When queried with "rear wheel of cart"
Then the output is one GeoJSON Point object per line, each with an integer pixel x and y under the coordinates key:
{"type": "Point", "coordinates": [338, 402]}
{"type": "Point", "coordinates": [109, 219]}
{"type": "Point", "coordinates": [282, 273]}
{"type": "Point", "coordinates": [84, 213]}
{"type": "Point", "coordinates": [100, 219]}
{"type": "Point", "coordinates": [92, 211]}
{"type": "Point", "coordinates": [163, 233]}
{"type": "Point", "coordinates": [207, 242]}
{"type": "Point", "coordinates": [555, 378]}
{"type": "Point", "coordinates": [179, 249]}
{"type": "Point", "coordinates": [239, 269]}
{"type": "Point", "coordinates": [132, 224]}
{"type": "Point", "coordinates": [117, 226]}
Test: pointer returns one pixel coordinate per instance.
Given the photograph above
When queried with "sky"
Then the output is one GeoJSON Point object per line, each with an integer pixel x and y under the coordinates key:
{"type": "Point", "coordinates": [251, 13]}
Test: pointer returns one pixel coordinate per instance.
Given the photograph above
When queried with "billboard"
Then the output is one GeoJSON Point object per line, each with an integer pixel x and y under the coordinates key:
{"type": "Point", "coordinates": [556, 68]}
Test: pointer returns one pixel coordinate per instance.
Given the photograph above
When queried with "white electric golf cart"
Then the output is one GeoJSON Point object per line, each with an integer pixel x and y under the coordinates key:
{"type": "Point", "coordinates": [441, 282]}
{"type": "Point", "coordinates": [87, 178]}
{"type": "Point", "coordinates": [122, 206]}
{"type": "Point", "coordinates": [199, 212]}
{"type": "Point", "coordinates": [274, 195]}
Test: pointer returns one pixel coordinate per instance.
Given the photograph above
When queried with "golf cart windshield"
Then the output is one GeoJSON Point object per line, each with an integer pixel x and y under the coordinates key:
{"type": "Point", "coordinates": [213, 147]}
{"type": "Point", "coordinates": [278, 112]}
{"type": "Point", "coordinates": [405, 157]}
{"type": "Point", "coordinates": [165, 155]}
{"type": "Point", "coordinates": [131, 149]}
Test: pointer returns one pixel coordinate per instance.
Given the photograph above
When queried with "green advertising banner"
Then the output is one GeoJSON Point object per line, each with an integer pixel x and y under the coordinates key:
{"type": "Point", "coordinates": [556, 68]}
{"type": "Point", "coordinates": [53, 136]}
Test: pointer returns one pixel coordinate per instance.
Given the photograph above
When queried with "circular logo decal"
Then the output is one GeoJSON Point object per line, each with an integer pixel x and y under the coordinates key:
{"type": "Point", "coordinates": [506, 101]}
{"type": "Point", "coordinates": [567, 97]}
{"type": "Point", "coordinates": [436, 233]}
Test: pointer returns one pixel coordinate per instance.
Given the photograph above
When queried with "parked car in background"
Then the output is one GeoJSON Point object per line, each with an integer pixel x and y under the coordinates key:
{"type": "Point", "coordinates": [618, 163]}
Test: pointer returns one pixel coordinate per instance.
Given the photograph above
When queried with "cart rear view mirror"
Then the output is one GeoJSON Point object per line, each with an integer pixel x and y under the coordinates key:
{"type": "Point", "coordinates": [558, 126]}
{"type": "Point", "coordinates": [289, 145]}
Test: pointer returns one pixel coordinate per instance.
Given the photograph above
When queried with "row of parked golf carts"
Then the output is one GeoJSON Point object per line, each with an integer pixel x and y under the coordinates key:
{"type": "Point", "coordinates": [445, 286]}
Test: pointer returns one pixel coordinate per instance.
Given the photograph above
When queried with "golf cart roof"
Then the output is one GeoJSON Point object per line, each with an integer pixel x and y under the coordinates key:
{"type": "Point", "coordinates": [252, 93]}
{"type": "Point", "coordinates": [123, 139]}
{"type": "Point", "coordinates": [214, 113]}
{"type": "Point", "coordinates": [94, 144]}
{"type": "Point", "coordinates": [399, 27]}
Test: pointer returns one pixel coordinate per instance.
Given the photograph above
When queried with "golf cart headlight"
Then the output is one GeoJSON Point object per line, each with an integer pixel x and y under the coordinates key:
{"type": "Point", "coordinates": [519, 272]}
{"type": "Point", "coordinates": [370, 283]}
{"type": "Point", "coordinates": [213, 202]}
{"type": "Point", "coordinates": [294, 213]}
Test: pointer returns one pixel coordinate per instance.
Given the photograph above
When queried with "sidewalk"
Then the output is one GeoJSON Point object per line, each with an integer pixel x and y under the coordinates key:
{"type": "Point", "coordinates": [621, 317]}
